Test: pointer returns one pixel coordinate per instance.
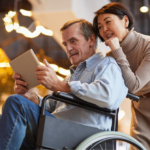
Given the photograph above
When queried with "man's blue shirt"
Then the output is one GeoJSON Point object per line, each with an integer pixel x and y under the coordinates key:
{"type": "Point", "coordinates": [97, 80]}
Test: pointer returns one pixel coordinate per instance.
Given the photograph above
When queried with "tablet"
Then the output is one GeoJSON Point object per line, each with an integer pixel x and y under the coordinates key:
{"type": "Point", "coordinates": [25, 65]}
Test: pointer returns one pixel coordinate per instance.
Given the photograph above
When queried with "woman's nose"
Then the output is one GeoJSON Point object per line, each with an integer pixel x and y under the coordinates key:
{"type": "Point", "coordinates": [105, 28]}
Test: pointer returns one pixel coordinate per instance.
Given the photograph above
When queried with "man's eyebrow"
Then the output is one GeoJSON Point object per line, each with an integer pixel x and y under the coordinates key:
{"type": "Point", "coordinates": [72, 38]}
{"type": "Point", "coordinates": [105, 19]}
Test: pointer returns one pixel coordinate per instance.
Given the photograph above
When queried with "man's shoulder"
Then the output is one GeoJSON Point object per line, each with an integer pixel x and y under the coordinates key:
{"type": "Point", "coordinates": [109, 59]}
{"type": "Point", "coordinates": [111, 62]}
{"type": "Point", "coordinates": [104, 63]}
{"type": "Point", "coordinates": [101, 60]}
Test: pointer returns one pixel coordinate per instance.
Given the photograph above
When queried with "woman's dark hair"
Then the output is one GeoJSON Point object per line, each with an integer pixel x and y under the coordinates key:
{"type": "Point", "coordinates": [116, 9]}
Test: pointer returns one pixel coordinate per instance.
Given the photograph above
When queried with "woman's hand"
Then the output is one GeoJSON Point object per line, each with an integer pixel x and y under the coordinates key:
{"type": "Point", "coordinates": [113, 43]}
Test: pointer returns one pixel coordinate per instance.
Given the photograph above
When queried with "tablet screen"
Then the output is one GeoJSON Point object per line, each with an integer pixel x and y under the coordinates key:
{"type": "Point", "coordinates": [25, 65]}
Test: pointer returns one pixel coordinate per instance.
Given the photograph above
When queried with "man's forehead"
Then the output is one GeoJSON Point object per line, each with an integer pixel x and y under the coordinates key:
{"type": "Point", "coordinates": [71, 31]}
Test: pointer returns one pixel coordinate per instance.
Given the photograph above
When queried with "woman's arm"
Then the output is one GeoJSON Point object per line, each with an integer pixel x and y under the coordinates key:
{"type": "Point", "coordinates": [138, 79]}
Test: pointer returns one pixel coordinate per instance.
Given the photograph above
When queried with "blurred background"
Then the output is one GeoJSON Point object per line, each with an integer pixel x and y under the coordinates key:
{"type": "Point", "coordinates": [35, 24]}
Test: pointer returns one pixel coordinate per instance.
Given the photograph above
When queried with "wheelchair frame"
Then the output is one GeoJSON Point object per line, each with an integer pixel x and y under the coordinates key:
{"type": "Point", "coordinates": [47, 123]}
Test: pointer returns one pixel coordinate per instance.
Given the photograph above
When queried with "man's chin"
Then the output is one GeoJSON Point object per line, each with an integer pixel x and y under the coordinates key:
{"type": "Point", "coordinates": [74, 64]}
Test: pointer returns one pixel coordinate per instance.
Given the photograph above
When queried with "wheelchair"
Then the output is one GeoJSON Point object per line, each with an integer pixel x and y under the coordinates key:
{"type": "Point", "coordinates": [57, 134]}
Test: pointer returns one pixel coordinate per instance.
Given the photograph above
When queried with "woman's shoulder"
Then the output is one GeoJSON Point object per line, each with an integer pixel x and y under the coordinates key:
{"type": "Point", "coordinates": [143, 41]}
{"type": "Point", "coordinates": [146, 37]}
{"type": "Point", "coordinates": [143, 37]}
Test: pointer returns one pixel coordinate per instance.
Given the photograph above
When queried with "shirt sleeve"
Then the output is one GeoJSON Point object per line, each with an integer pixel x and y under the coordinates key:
{"type": "Point", "coordinates": [107, 90]}
{"type": "Point", "coordinates": [138, 79]}
{"type": "Point", "coordinates": [40, 100]}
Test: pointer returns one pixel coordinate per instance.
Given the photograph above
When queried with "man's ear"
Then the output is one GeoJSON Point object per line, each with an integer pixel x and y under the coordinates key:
{"type": "Point", "coordinates": [126, 21]}
{"type": "Point", "coordinates": [92, 40]}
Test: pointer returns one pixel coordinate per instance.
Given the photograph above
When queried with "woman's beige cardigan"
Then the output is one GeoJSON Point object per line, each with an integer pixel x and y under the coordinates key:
{"type": "Point", "coordinates": [134, 60]}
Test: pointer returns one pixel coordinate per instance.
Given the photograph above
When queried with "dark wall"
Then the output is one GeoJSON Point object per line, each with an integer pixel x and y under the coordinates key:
{"type": "Point", "coordinates": [141, 20]}
{"type": "Point", "coordinates": [15, 44]}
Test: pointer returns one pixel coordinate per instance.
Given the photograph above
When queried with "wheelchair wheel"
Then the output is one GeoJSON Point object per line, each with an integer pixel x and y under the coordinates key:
{"type": "Point", "coordinates": [110, 140]}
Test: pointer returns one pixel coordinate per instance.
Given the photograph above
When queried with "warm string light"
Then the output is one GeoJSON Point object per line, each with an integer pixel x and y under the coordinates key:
{"type": "Point", "coordinates": [121, 114]}
{"type": "Point", "coordinates": [3, 65]}
{"type": "Point", "coordinates": [25, 12]}
{"type": "Point", "coordinates": [10, 25]}
{"type": "Point", "coordinates": [144, 9]}
{"type": "Point", "coordinates": [63, 71]}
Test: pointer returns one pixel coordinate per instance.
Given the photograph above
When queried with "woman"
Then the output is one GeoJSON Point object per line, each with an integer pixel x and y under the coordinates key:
{"type": "Point", "coordinates": [113, 24]}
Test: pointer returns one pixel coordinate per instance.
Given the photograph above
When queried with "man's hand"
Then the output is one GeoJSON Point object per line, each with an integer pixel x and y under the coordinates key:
{"type": "Point", "coordinates": [21, 88]}
{"type": "Point", "coordinates": [47, 77]}
{"type": "Point", "coordinates": [113, 43]}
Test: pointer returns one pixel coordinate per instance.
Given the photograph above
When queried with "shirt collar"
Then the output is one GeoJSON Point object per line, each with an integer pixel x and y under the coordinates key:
{"type": "Point", "coordinates": [88, 62]}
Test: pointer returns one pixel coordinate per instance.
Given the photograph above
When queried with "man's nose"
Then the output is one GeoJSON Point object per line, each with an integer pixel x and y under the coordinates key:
{"type": "Point", "coordinates": [68, 47]}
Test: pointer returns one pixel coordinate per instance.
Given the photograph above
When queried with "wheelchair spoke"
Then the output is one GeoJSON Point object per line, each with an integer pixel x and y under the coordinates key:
{"type": "Point", "coordinates": [101, 147]}
{"type": "Point", "coordinates": [120, 145]}
{"type": "Point", "coordinates": [110, 141]}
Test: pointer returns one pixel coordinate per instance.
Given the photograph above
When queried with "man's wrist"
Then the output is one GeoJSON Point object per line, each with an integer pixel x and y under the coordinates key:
{"type": "Point", "coordinates": [63, 87]}
{"type": "Point", "coordinates": [33, 97]}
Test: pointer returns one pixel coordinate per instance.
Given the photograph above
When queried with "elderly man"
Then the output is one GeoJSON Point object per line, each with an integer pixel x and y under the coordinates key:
{"type": "Point", "coordinates": [94, 78]}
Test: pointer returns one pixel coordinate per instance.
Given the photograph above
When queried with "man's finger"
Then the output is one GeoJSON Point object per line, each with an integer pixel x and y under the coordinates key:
{"type": "Point", "coordinates": [40, 73]}
{"type": "Point", "coordinates": [47, 64]}
{"type": "Point", "coordinates": [41, 68]}
{"type": "Point", "coordinates": [20, 89]}
{"type": "Point", "coordinates": [20, 82]}
{"type": "Point", "coordinates": [15, 76]}
{"type": "Point", "coordinates": [41, 81]}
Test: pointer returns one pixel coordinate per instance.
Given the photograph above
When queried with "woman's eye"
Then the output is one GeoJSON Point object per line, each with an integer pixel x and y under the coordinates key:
{"type": "Point", "coordinates": [99, 27]}
{"type": "Point", "coordinates": [107, 22]}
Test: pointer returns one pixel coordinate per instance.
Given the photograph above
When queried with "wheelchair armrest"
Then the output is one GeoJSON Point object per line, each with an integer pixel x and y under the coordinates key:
{"type": "Point", "coordinates": [73, 100]}
{"type": "Point", "coordinates": [132, 97]}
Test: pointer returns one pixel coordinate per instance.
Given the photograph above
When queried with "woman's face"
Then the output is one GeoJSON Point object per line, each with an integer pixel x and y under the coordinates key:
{"type": "Point", "coordinates": [111, 25]}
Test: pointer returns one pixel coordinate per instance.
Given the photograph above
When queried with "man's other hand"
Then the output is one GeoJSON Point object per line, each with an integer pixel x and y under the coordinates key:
{"type": "Point", "coordinates": [21, 88]}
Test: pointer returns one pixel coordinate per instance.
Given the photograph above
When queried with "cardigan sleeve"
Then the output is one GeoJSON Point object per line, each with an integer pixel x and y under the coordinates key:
{"type": "Point", "coordinates": [135, 81]}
